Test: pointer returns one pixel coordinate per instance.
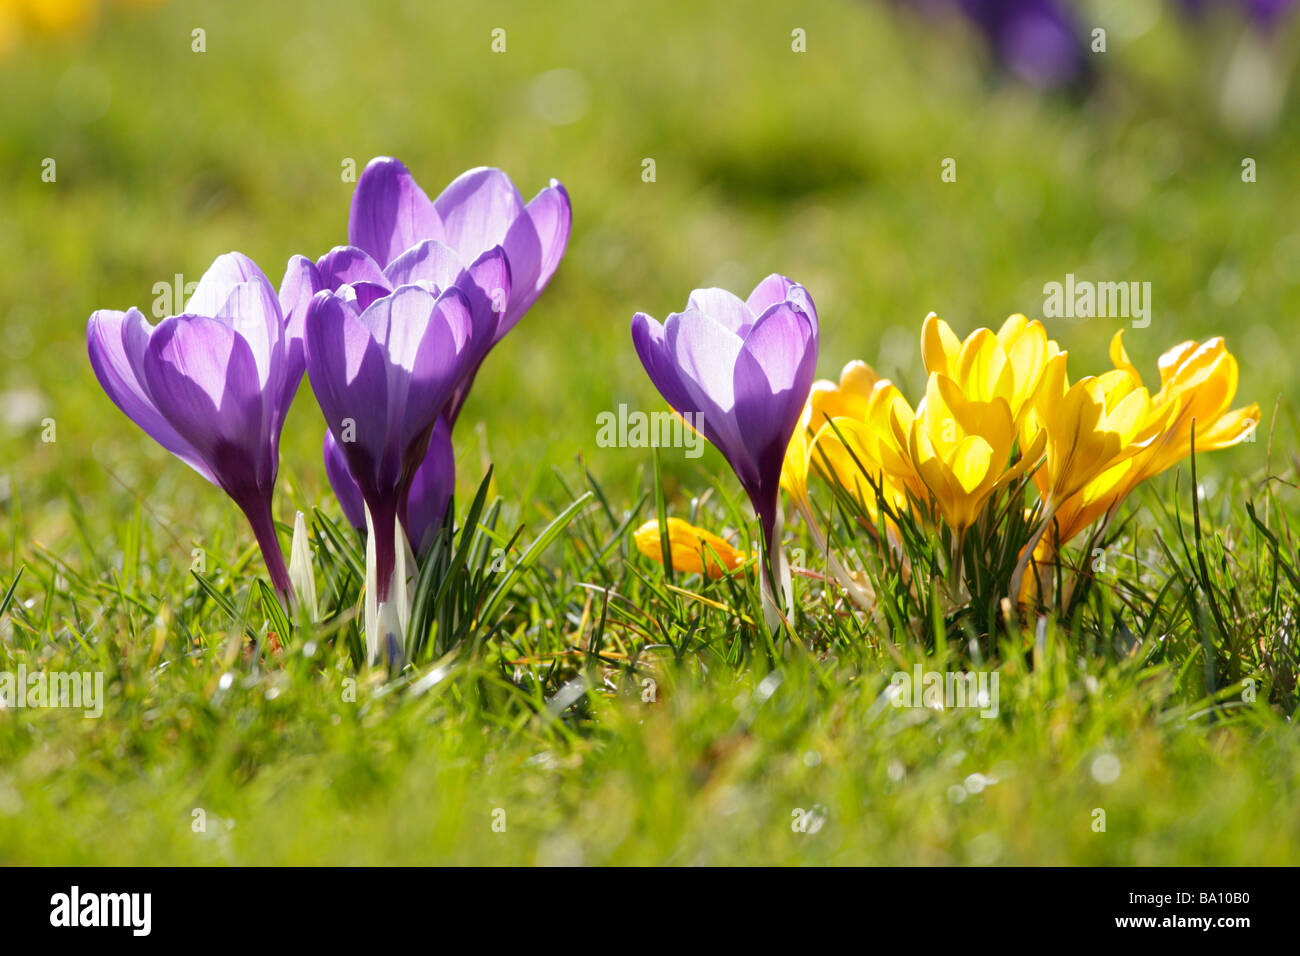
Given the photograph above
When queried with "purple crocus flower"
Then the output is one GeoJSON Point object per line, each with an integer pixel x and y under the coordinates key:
{"type": "Point", "coordinates": [741, 371]}
{"type": "Point", "coordinates": [427, 500]}
{"type": "Point", "coordinates": [213, 385]}
{"type": "Point", "coordinates": [394, 227]}
{"type": "Point", "coordinates": [383, 367]}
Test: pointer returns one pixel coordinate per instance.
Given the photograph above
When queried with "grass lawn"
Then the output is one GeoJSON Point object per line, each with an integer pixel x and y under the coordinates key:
{"type": "Point", "coordinates": [603, 713]}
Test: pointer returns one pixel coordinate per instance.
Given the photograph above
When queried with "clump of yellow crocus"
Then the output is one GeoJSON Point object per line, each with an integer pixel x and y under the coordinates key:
{"type": "Point", "coordinates": [999, 405]}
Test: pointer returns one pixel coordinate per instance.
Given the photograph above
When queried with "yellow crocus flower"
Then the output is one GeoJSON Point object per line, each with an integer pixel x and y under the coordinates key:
{"type": "Point", "coordinates": [1201, 379]}
{"type": "Point", "coordinates": [961, 448]}
{"type": "Point", "coordinates": [693, 550]}
{"type": "Point", "coordinates": [1090, 426]}
{"type": "Point", "coordinates": [1197, 384]}
{"type": "Point", "coordinates": [1006, 364]}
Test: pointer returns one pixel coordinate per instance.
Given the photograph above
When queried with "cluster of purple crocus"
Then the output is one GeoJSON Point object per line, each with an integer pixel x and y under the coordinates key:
{"type": "Point", "coordinates": [391, 330]}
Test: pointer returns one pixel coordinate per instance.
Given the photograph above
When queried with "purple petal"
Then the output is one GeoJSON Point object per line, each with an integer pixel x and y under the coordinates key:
{"type": "Point", "coordinates": [253, 310]}
{"type": "Point", "coordinates": [652, 349]}
{"type": "Point", "coordinates": [431, 489]}
{"type": "Point", "coordinates": [772, 290]}
{"type": "Point", "coordinates": [535, 244]}
{"type": "Point", "coordinates": [776, 289]}
{"type": "Point", "coordinates": [301, 281]}
{"type": "Point", "coordinates": [345, 265]}
{"type": "Point", "coordinates": [488, 284]}
{"type": "Point", "coordinates": [705, 353]}
{"type": "Point", "coordinates": [724, 308]}
{"type": "Point", "coordinates": [349, 374]}
{"type": "Point", "coordinates": [390, 212]}
{"type": "Point", "coordinates": [437, 361]}
{"type": "Point", "coordinates": [429, 261]}
{"type": "Point", "coordinates": [363, 294]}
{"type": "Point", "coordinates": [215, 286]}
{"type": "Point", "coordinates": [773, 374]}
{"type": "Point", "coordinates": [477, 210]}
{"type": "Point", "coordinates": [344, 485]}
{"type": "Point", "coordinates": [116, 342]}
{"type": "Point", "coordinates": [203, 377]}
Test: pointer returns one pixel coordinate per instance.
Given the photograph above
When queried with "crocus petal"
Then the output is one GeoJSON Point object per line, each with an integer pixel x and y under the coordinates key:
{"type": "Point", "coordinates": [349, 374]}
{"type": "Point", "coordinates": [773, 373]}
{"type": "Point", "coordinates": [253, 310]}
{"type": "Point", "coordinates": [477, 210]}
{"type": "Point", "coordinates": [390, 212]}
{"type": "Point", "coordinates": [116, 342]}
{"type": "Point", "coordinates": [438, 362]}
{"type": "Point", "coordinates": [425, 338]}
{"type": "Point", "coordinates": [301, 281]}
{"type": "Point", "coordinates": [363, 294]}
{"type": "Point", "coordinates": [535, 244]}
{"type": "Point", "coordinates": [430, 262]}
{"type": "Point", "coordinates": [214, 288]}
{"type": "Point", "coordinates": [651, 347]}
{"type": "Point", "coordinates": [203, 376]}
{"type": "Point", "coordinates": [346, 265]}
{"type": "Point", "coordinates": [705, 353]}
{"type": "Point", "coordinates": [344, 485]}
{"type": "Point", "coordinates": [939, 345]}
{"type": "Point", "coordinates": [772, 290]}
{"type": "Point", "coordinates": [431, 489]}
{"type": "Point", "coordinates": [488, 284]}
{"type": "Point", "coordinates": [725, 308]}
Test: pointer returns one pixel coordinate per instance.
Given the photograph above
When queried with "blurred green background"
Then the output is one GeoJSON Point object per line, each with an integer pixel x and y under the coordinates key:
{"type": "Point", "coordinates": [824, 165]}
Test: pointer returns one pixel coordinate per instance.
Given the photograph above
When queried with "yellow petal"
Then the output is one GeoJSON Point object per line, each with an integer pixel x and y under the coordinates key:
{"type": "Point", "coordinates": [1012, 329]}
{"type": "Point", "coordinates": [1027, 355]}
{"type": "Point", "coordinates": [691, 549]}
{"type": "Point", "coordinates": [969, 463]}
{"type": "Point", "coordinates": [939, 345]}
{"type": "Point", "coordinates": [982, 368]}
{"type": "Point", "coordinates": [1119, 355]}
{"type": "Point", "coordinates": [1169, 362]}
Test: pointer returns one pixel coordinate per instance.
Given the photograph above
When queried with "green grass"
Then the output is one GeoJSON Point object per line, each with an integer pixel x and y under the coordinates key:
{"type": "Point", "coordinates": [1181, 666]}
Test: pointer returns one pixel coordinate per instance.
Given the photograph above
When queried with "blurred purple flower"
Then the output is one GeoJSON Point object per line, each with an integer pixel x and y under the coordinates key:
{"type": "Point", "coordinates": [741, 371]}
{"type": "Point", "coordinates": [1037, 40]}
{"type": "Point", "coordinates": [1266, 15]}
{"type": "Point", "coordinates": [213, 385]}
